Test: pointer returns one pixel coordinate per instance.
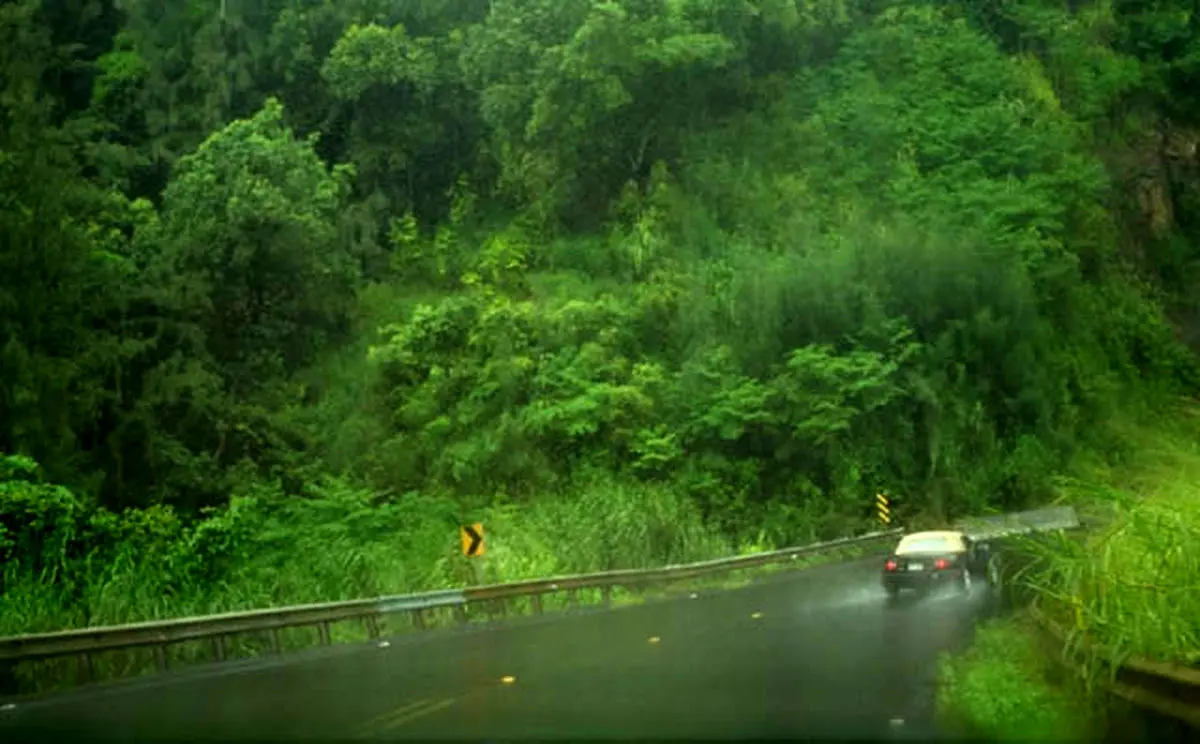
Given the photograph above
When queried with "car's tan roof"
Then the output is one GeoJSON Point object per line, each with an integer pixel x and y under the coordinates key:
{"type": "Point", "coordinates": [944, 534]}
{"type": "Point", "coordinates": [953, 539]}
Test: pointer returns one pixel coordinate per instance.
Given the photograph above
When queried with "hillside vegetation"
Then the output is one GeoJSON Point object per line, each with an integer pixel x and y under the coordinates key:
{"type": "Point", "coordinates": [291, 288]}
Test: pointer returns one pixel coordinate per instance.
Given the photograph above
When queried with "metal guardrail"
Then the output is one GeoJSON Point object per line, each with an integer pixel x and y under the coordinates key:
{"type": "Point", "coordinates": [1172, 690]}
{"type": "Point", "coordinates": [1020, 523]}
{"type": "Point", "coordinates": [218, 628]}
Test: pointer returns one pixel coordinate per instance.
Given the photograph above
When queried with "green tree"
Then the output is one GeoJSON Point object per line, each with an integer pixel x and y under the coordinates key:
{"type": "Point", "coordinates": [65, 267]}
{"type": "Point", "coordinates": [583, 97]}
{"type": "Point", "coordinates": [412, 126]}
{"type": "Point", "coordinates": [247, 279]}
{"type": "Point", "coordinates": [248, 248]}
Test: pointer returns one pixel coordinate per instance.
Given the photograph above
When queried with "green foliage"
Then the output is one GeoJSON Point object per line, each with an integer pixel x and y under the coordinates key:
{"type": "Point", "coordinates": [599, 525]}
{"type": "Point", "coordinates": [1004, 689]}
{"type": "Point", "coordinates": [1090, 75]}
{"type": "Point", "coordinates": [65, 265]}
{"type": "Point", "coordinates": [407, 110]}
{"type": "Point", "coordinates": [370, 55]}
{"type": "Point", "coordinates": [583, 97]}
{"type": "Point", "coordinates": [244, 276]}
{"type": "Point", "coordinates": [248, 246]}
{"type": "Point", "coordinates": [69, 561]}
{"type": "Point", "coordinates": [1163, 35]}
{"type": "Point", "coordinates": [120, 71]}
{"type": "Point", "coordinates": [289, 288]}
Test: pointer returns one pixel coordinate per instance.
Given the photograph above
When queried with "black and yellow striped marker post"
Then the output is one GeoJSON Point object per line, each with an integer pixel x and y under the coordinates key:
{"type": "Point", "coordinates": [882, 508]}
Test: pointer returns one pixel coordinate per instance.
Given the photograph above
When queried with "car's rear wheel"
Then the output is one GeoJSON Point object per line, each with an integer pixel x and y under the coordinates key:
{"type": "Point", "coordinates": [892, 590]}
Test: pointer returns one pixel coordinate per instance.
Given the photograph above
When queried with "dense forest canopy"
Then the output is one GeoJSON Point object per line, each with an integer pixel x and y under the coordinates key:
{"type": "Point", "coordinates": [295, 273]}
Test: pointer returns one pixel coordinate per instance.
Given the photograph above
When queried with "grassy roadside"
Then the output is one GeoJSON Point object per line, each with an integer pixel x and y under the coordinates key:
{"type": "Point", "coordinates": [1006, 687]}
{"type": "Point", "coordinates": [1128, 586]}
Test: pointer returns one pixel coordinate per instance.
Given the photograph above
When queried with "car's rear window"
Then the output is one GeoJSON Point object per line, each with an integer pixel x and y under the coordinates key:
{"type": "Point", "coordinates": [929, 545]}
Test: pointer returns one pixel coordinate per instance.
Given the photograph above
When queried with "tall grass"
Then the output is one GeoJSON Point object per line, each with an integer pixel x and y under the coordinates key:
{"type": "Point", "coordinates": [268, 549]}
{"type": "Point", "coordinates": [605, 524]}
{"type": "Point", "coordinates": [332, 542]}
{"type": "Point", "coordinates": [1133, 585]}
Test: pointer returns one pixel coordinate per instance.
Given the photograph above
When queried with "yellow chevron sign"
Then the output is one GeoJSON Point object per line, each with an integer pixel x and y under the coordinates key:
{"type": "Point", "coordinates": [881, 506]}
{"type": "Point", "coordinates": [472, 539]}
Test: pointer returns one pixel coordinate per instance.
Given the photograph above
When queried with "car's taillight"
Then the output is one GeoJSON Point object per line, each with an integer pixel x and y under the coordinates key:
{"type": "Point", "coordinates": [940, 564]}
{"type": "Point", "coordinates": [891, 565]}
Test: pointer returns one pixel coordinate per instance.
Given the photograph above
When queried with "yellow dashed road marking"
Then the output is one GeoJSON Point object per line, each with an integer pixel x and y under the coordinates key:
{"type": "Point", "coordinates": [402, 715]}
{"type": "Point", "coordinates": [756, 615]}
{"type": "Point", "coordinates": [412, 711]}
{"type": "Point", "coordinates": [397, 711]}
{"type": "Point", "coordinates": [654, 639]}
{"type": "Point", "coordinates": [413, 715]}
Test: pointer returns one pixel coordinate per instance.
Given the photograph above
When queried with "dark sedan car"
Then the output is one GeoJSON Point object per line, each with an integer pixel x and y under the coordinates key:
{"type": "Point", "coordinates": [924, 560]}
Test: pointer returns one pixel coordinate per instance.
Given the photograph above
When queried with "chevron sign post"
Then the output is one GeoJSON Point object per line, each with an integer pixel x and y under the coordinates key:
{"type": "Point", "coordinates": [882, 508]}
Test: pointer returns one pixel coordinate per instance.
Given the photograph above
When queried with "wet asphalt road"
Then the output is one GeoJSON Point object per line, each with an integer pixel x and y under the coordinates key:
{"type": "Point", "coordinates": [815, 653]}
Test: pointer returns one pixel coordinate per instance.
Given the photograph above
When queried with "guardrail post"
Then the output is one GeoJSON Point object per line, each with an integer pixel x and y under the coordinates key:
{"type": "Point", "coordinates": [501, 607]}
{"type": "Point", "coordinates": [606, 595]}
{"type": "Point", "coordinates": [460, 614]}
{"type": "Point", "coordinates": [275, 645]}
{"type": "Point", "coordinates": [573, 598]}
{"type": "Point", "coordinates": [418, 617]}
{"type": "Point", "coordinates": [218, 648]}
{"type": "Point", "coordinates": [537, 604]}
{"type": "Point", "coordinates": [160, 657]}
{"type": "Point", "coordinates": [84, 667]}
{"type": "Point", "coordinates": [372, 627]}
{"type": "Point", "coordinates": [323, 633]}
